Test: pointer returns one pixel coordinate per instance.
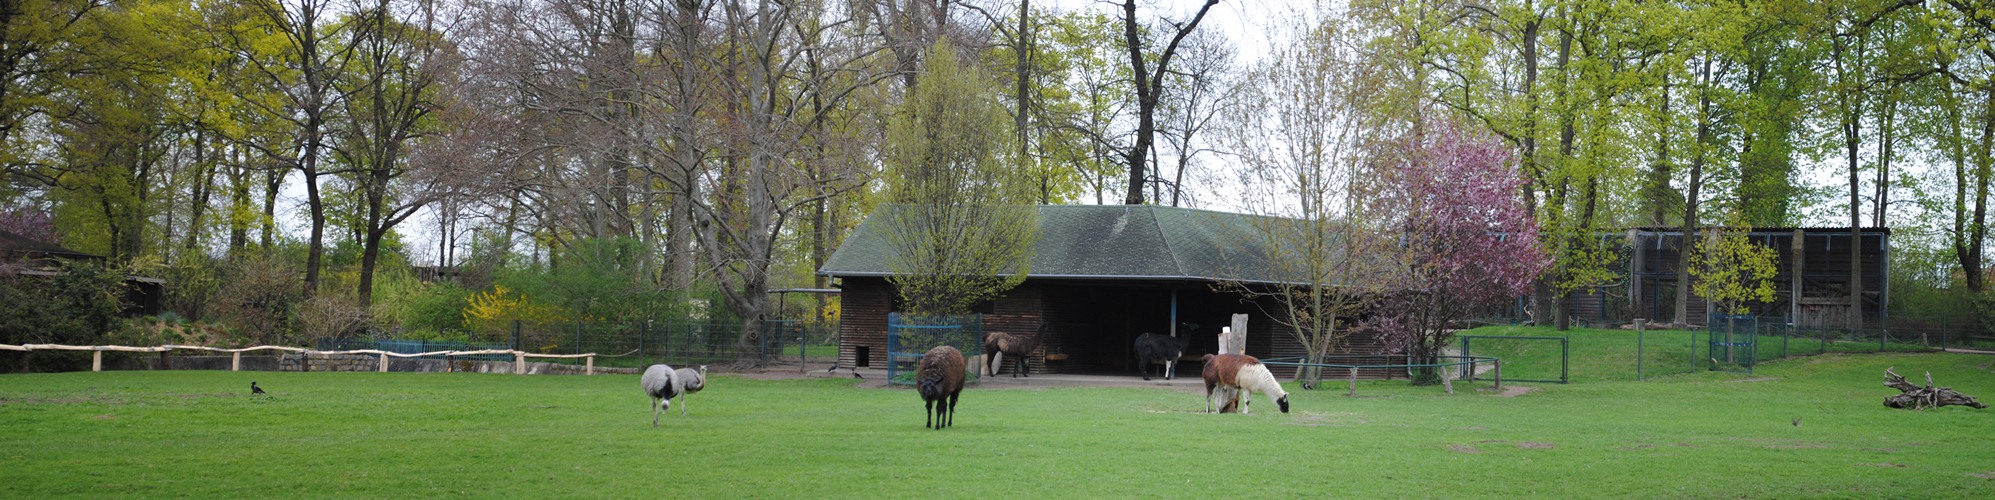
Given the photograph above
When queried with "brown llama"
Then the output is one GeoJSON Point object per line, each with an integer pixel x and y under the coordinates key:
{"type": "Point", "coordinates": [939, 379]}
{"type": "Point", "coordinates": [1243, 374]}
{"type": "Point", "coordinates": [999, 345]}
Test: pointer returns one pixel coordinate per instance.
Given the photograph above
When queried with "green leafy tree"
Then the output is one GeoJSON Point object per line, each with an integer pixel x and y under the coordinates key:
{"type": "Point", "coordinates": [1731, 271]}
{"type": "Point", "coordinates": [1082, 138]}
{"type": "Point", "coordinates": [960, 227]}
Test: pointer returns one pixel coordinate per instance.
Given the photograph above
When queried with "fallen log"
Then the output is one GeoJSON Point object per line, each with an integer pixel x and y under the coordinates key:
{"type": "Point", "coordinates": [1919, 398]}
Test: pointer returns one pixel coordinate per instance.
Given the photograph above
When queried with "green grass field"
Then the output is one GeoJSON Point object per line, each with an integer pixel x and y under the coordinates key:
{"type": "Point", "coordinates": [199, 434]}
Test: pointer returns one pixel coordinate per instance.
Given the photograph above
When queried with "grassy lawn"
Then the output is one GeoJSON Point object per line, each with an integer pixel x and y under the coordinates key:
{"type": "Point", "coordinates": [199, 434]}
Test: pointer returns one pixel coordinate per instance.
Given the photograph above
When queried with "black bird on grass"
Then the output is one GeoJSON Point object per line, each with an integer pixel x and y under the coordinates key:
{"type": "Point", "coordinates": [253, 389]}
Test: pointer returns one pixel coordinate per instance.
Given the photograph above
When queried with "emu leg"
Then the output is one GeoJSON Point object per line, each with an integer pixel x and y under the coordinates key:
{"type": "Point", "coordinates": [654, 412]}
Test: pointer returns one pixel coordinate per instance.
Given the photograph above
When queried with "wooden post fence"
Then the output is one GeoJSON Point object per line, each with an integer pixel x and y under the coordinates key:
{"type": "Point", "coordinates": [235, 355]}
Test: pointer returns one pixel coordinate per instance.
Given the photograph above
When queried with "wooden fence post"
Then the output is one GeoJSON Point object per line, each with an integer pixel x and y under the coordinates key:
{"type": "Point", "coordinates": [591, 364]}
{"type": "Point", "coordinates": [235, 361]}
{"type": "Point", "coordinates": [1354, 383]}
{"type": "Point", "coordinates": [1233, 340]}
{"type": "Point", "coordinates": [519, 363]}
{"type": "Point", "coordinates": [96, 361]}
{"type": "Point", "coordinates": [384, 362]}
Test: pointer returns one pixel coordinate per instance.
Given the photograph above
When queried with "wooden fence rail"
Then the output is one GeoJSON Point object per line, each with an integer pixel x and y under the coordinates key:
{"type": "Point", "coordinates": [235, 363]}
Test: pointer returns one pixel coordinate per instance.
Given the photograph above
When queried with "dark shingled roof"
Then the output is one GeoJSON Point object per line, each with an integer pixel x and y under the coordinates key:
{"type": "Point", "coordinates": [1128, 242]}
{"type": "Point", "coordinates": [15, 244]}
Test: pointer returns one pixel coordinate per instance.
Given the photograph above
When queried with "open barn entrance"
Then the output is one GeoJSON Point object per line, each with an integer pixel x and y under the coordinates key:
{"type": "Point", "coordinates": [1096, 325]}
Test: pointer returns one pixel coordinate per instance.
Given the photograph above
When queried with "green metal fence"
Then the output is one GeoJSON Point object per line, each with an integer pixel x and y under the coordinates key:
{"type": "Point", "coordinates": [1518, 371]}
{"type": "Point", "coordinates": [908, 337]}
{"type": "Point", "coordinates": [1740, 343]}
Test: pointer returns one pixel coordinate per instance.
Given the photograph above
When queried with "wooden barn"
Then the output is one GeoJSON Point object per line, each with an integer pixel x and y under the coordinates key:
{"type": "Point", "coordinates": [1811, 290]}
{"type": "Point", "coordinates": [1101, 275]}
{"type": "Point", "coordinates": [24, 256]}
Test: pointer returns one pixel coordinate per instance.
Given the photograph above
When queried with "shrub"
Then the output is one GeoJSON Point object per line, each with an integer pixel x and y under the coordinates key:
{"type": "Point", "coordinates": [256, 298]}
{"type": "Point", "coordinates": [331, 316]}
{"type": "Point", "coordinates": [76, 305]}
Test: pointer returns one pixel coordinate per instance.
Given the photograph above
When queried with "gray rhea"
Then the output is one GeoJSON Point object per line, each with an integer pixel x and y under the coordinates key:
{"type": "Point", "coordinates": [662, 383]}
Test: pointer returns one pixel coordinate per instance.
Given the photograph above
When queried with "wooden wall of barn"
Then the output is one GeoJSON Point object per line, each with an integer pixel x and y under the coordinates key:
{"type": "Point", "coordinates": [864, 304]}
{"type": "Point", "coordinates": [1093, 324]}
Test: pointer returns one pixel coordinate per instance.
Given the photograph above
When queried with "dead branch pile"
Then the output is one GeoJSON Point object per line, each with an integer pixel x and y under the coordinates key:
{"type": "Point", "coordinates": [1919, 398]}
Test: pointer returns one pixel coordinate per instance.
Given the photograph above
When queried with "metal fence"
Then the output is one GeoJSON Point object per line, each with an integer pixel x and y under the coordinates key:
{"type": "Point", "coordinates": [908, 337]}
{"type": "Point", "coordinates": [1740, 343]}
{"type": "Point", "coordinates": [1563, 376]}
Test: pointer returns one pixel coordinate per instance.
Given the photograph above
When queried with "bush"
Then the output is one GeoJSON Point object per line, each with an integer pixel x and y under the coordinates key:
{"type": "Point", "coordinates": [256, 298]}
{"type": "Point", "coordinates": [404, 303]}
{"type": "Point", "coordinates": [76, 305]}
{"type": "Point", "coordinates": [331, 316]}
{"type": "Point", "coordinates": [171, 329]}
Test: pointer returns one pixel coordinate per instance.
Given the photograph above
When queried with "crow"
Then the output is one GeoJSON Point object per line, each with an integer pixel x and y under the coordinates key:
{"type": "Point", "coordinates": [253, 389]}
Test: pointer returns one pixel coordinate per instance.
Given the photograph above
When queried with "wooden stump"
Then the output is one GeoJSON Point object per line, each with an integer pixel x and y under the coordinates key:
{"type": "Point", "coordinates": [1919, 398]}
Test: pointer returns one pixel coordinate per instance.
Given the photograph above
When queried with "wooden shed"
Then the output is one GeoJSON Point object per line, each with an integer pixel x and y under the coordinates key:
{"type": "Point", "coordinates": [1812, 288]}
{"type": "Point", "coordinates": [26, 256]}
{"type": "Point", "coordinates": [1101, 275]}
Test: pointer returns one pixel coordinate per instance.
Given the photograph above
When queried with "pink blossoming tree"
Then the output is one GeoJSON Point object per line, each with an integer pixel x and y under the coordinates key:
{"type": "Point", "coordinates": [1467, 244]}
{"type": "Point", "coordinates": [28, 222]}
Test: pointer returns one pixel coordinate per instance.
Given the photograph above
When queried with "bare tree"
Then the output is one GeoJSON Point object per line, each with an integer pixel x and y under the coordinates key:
{"type": "Point", "coordinates": [393, 93]}
{"type": "Point", "coordinates": [1149, 86]}
{"type": "Point", "coordinates": [1201, 90]}
{"type": "Point", "coordinates": [304, 76]}
{"type": "Point", "coordinates": [1300, 135]}
{"type": "Point", "coordinates": [759, 187]}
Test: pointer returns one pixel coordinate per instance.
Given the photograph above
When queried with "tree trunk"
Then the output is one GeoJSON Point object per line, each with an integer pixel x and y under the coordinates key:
{"type": "Point", "coordinates": [1146, 103]}
{"type": "Point", "coordinates": [1690, 199]}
